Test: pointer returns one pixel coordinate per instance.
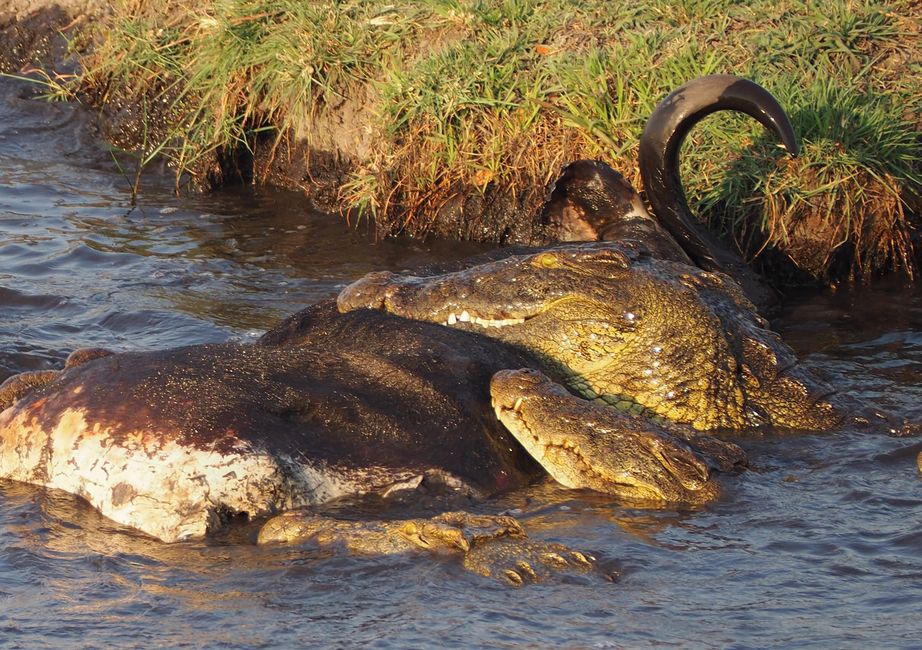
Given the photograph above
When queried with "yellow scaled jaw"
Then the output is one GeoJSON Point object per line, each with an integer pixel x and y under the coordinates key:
{"type": "Point", "coordinates": [584, 445]}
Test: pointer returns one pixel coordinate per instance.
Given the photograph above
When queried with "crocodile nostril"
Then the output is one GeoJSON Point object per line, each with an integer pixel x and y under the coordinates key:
{"type": "Point", "coordinates": [683, 463]}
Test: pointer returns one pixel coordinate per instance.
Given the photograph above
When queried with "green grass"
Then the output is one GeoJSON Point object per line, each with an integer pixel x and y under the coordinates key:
{"type": "Point", "coordinates": [456, 95]}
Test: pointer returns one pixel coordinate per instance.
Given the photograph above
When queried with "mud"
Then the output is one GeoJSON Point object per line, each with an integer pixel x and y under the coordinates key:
{"type": "Point", "coordinates": [320, 168]}
{"type": "Point", "coordinates": [38, 34]}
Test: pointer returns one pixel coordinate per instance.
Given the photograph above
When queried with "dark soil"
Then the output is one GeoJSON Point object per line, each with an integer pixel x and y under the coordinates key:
{"type": "Point", "coordinates": [39, 35]}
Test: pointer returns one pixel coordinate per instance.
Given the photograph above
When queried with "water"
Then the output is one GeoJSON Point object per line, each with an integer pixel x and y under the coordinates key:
{"type": "Point", "coordinates": [819, 545]}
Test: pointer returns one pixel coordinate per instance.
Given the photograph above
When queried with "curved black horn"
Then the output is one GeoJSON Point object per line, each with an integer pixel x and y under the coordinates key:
{"type": "Point", "coordinates": [659, 156]}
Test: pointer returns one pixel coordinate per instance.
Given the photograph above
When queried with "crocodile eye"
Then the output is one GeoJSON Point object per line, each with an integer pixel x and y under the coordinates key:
{"type": "Point", "coordinates": [547, 261]}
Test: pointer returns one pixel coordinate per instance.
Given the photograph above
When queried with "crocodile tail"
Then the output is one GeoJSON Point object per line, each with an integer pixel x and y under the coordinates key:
{"type": "Point", "coordinates": [659, 157]}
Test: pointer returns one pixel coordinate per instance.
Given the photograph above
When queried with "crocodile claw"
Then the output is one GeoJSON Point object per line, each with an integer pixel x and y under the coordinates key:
{"type": "Point", "coordinates": [521, 561]}
{"type": "Point", "coordinates": [18, 386]}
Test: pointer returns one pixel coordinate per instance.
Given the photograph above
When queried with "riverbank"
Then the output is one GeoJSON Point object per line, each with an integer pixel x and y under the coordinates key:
{"type": "Point", "coordinates": [451, 117]}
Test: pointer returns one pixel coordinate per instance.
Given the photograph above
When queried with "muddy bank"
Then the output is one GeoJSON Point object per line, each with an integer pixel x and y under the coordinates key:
{"type": "Point", "coordinates": [39, 38]}
{"type": "Point", "coordinates": [353, 142]}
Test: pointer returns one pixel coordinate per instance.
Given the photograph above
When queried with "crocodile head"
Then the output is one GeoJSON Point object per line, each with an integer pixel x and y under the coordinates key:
{"type": "Point", "coordinates": [585, 445]}
{"type": "Point", "coordinates": [647, 336]}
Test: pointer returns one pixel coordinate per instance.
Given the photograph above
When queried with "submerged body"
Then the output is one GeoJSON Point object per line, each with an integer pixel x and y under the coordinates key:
{"type": "Point", "coordinates": [170, 442]}
{"type": "Point", "coordinates": [329, 404]}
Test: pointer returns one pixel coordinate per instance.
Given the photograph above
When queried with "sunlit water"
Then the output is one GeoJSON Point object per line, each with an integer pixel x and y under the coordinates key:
{"type": "Point", "coordinates": [819, 544]}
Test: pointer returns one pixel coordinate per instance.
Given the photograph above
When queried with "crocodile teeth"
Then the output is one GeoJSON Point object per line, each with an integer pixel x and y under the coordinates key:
{"type": "Point", "coordinates": [465, 317]}
{"type": "Point", "coordinates": [517, 405]}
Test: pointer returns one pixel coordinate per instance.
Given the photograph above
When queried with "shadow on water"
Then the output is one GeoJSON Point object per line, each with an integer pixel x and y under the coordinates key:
{"type": "Point", "coordinates": [818, 545]}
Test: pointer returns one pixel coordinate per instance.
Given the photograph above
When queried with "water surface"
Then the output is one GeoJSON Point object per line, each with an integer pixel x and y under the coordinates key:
{"type": "Point", "coordinates": [819, 545]}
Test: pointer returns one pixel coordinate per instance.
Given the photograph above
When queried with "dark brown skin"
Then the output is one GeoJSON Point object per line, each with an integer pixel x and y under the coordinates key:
{"type": "Point", "coordinates": [360, 390]}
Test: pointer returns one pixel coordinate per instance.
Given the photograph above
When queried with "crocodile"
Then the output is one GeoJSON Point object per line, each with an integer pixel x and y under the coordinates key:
{"type": "Point", "coordinates": [596, 447]}
{"type": "Point", "coordinates": [647, 336]}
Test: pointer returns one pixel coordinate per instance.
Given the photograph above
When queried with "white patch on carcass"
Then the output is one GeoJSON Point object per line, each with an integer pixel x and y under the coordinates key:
{"type": "Point", "coordinates": [152, 482]}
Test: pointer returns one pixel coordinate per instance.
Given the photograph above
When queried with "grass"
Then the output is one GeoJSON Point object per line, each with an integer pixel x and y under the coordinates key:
{"type": "Point", "coordinates": [459, 96]}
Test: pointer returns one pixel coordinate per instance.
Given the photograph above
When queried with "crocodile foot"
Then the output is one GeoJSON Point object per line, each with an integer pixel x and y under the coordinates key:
{"type": "Point", "coordinates": [18, 386]}
{"type": "Point", "coordinates": [519, 560]}
{"type": "Point", "coordinates": [451, 532]}
{"type": "Point", "coordinates": [720, 454]}
{"type": "Point", "coordinates": [491, 545]}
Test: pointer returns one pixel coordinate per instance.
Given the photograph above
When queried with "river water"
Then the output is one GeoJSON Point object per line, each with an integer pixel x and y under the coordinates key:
{"type": "Point", "coordinates": [818, 545]}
